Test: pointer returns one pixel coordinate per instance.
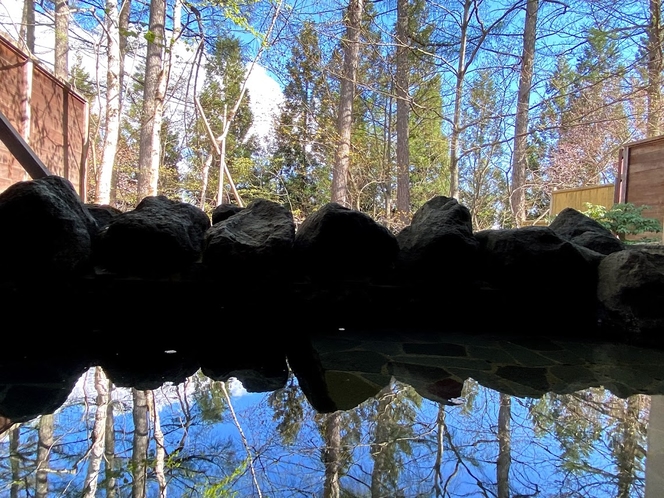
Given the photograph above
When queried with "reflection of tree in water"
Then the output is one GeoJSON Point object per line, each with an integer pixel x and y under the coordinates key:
{"type": "Point", "coordinates": [393, 415]}
{"type": "Point", "coordinates": [588, 443]}
{"type": "Point", "coordinates": [601, 438]}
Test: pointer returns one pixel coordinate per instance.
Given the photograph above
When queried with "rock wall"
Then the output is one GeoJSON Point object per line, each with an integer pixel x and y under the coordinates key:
{"type": "Point", "coordinates": [158, 292]}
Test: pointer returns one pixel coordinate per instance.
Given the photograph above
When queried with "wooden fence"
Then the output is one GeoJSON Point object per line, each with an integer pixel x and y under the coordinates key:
{"type": "Point", "coordinates": [47, 113]}
{"type": "Point", "coordinates": [641, 176]}
{"type": "Point", "coordinates": [577, 198]}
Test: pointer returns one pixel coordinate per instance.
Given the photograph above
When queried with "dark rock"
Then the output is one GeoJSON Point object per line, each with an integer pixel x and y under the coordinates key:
{"type": "Point", "coordinates": [224, 211]}
{"type": "Point", "coordinates": [158, 238]}
{"type": "Point", "coordinates": [631, 294]}
{"type": "Point", "coordinates": [256, 242]}
{"type": "Point", "coordinates": [536, 271]}
{"type": "Point", "coordinates": [434, 383]}
{"type": "Point", "coordinates": [439, 244]}
{"type": "Point", "coordinates": [45, 229]}
{"type": "Point", "coordinates": [337, 243]}
{"type": "Point", "coordinates": [151, 370]}
{"type": "Point", "coordinates": [529, 377]}
{"type": "Point", "coordinates": [32, 385]}
{"type": "Point", "coordinates": [261, 367]}
{"type": "Point", "coordinates": [582, 230]}
{"type": "Point", "coordinates": [103, 213]}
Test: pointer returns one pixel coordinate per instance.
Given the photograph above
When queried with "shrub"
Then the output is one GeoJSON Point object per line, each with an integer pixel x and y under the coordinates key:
{"type": "Point", "coordinates": [624, 219]}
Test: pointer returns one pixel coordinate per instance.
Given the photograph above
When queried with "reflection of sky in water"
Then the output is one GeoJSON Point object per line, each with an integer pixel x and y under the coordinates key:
{"type": "Point", "coordinates": [585, 444]}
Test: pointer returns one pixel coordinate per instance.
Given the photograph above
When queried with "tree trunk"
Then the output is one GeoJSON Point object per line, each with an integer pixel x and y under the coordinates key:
{"type": "Point", "coordinates": [61, 64]}
{"type": "Point", "coordinates": [98, 435]}
{"type": "Point", "coordinates": [351, 44]}
{"type": "Point", "coordinates": [458, 94]}
{"type": "Point", "coordinates": [518, 194]}
{"type": "Point", "coordinates": [438, 466]}
{"type": "Point", "coordinates": [332, 455]}
{"type": "Point", "coordinates": [43, 455]}
{"type": "Point", "coordinates": [125, 10]}
{"type": "Point", "coordinates": [403, 112]}
{"type": "Point", "coordinates": [153, 103]}
{"type": "Point", "coordinates": [628, 449]}
{"type": "Point", "coordinates": [160, 453]}
{"type": "Point", "coordinates": [109, 445]}
{"type": "Point", "coordinates": [504, 446]}
{"type": "Point", "coordinates": [379, 453]}
{"type": "Point", "coordinates": [655, 68]}
{"type": "Point", "coordinates": [27, 33]}
{"type": "Point", "coordinates": [14, 459]}
{"type": "Point", "coordinates": [140, 443]}
{"type": "Point", "coordinates": [655, 455]}
{"type": "Point", "coordinates": [103, 188]}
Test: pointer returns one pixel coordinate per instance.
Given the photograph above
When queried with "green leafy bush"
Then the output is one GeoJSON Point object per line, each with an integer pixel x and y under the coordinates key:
{"type": "Point", "coordinates": [624, 219]}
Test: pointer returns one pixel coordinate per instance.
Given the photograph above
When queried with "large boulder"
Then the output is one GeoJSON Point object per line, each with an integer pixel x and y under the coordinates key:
{"type": "Point", "coordinates": [439, 244]}
{"type": "Point", "coordinates": [256, 242]}
{"type": "Point", "coordinates": [45, 229]}
{"type": "Point", "coordinates": [261, 367]}
{"type": "Point", "coordinates": [337, 243]}
{"type": "Point", "coordinates": [223, 212]}
{"type": "Point", "coordinates": [582, 230]}
{"type": "Point", "coordinates": [630, 290]}
{"type": "Point", "coordinates": [536, 273]}
{"type": "Point", "coordinates": [160, 237]}
{"type": "Point", "coordinates": [103, 213]}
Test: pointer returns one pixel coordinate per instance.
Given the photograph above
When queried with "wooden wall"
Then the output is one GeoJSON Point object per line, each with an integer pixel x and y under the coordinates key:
{"type": "Point", "coordinates": [576, 198]}
{"type": "Point", "coordinates": [641, 176]}
{"type": "Point", "coordinates": [47, 113]}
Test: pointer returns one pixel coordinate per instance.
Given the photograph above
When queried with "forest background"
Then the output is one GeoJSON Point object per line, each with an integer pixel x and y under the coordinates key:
{"type": "Point", "coordinates": [382, 105]}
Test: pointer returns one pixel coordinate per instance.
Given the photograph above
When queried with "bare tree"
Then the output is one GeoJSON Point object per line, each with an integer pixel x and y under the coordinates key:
{"type": "Point", "coordinates": [27, 32]}
{"type": "Point", "coordinates": [109, 446]}
{"type": "Point", "coordinates": [655, 68]}
{"type": "Point", "coordinates": [403, 113]}
{"type": "Point", "coordinates": [504, 446]}
{"type": "Point", "coordinates": [160, 454]}
{"type": "Point", "coordinates": [61, 66]}
{"type": "Point", "coordinates": [14, 459]}
{"type": "Point", "coordinates": [98, 435]}
{"type": "Point", "coordinates": [458, 94]}
{"type": "Point", "coordinates": [103, 186]}
{"type": "Point", "coordinates": [332, 455]}
{"type": "Point", "coordinates": [351, 48]}
{"type": "Point", "coordinates": [518, 195]}
{"type": "Point", "coordinates": [154, 90]}
{"type": "Point", "coordinates": [140, 444]}
{"type": "Point", "coordinates": [43, 455]}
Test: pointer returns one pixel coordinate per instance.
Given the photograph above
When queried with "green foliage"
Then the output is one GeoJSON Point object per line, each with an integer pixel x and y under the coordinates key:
{"type": "Point", "coordinates": [223, 489]}
{"type": "Point", "coordinates": [209, 397]}
{"type": "Point", "coordinates": [288, 405]}
{"type": "Point", "coordinates": [80, 79]}
{"type": "Point", "coordinates": [301, 154]}
{"type": "Point", "coordinates": [150, 36]}
{"type": "Point", "coordinates": [225, 74]}
{"type": "Point", "coordinates": [624, 219]}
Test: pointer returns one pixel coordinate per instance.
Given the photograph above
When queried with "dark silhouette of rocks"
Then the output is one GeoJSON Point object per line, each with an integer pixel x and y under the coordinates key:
{"type": "Point", "coordinates": [161, 292]}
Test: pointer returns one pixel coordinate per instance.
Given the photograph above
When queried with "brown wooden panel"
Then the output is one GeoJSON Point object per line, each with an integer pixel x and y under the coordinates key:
{"type": "Point", "coordinates": [57, 133]}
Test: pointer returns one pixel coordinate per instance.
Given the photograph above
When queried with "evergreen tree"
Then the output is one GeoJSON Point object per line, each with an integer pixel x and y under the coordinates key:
{"type": "Point", "coordinates": [300, 149]}
{"type": "Point", "coordinates": [429, 148]}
